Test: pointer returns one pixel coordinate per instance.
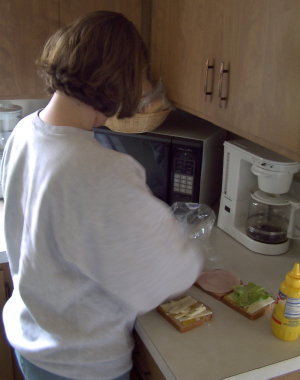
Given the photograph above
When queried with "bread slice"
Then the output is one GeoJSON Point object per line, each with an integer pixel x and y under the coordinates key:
{"type": "Point", "coordinates": [185, 313]}
{"type": "Point", "coordinates": [253, 311]}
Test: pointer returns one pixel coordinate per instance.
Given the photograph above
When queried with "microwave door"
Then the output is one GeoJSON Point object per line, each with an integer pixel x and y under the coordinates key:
{"type": "Point", "coordinates": [152, 152]}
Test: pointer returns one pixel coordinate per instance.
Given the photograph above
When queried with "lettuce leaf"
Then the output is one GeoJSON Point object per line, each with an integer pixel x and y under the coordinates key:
{"type": "Point", "coordinates": [245, 295]}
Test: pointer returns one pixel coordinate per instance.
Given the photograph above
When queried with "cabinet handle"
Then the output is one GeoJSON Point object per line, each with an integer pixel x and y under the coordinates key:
{"type": "Point", "coordinates": [223, 98]}
{"type": "Point", "coordinates": [208, 66]}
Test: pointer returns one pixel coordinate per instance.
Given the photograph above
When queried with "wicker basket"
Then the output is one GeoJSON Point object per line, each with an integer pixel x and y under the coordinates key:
{"type": "Point", "coordinates": [139, 123]}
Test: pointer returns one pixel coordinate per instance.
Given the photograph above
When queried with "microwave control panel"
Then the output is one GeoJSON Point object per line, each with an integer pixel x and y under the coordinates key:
{"type": "Point", "coordinates": [186, 167]}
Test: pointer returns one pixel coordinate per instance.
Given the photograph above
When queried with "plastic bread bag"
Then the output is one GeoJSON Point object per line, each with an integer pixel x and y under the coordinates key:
{"type": "Point", "coordinates": [154, 98]}
{"type": "Point", "coordinates": [198, 220]}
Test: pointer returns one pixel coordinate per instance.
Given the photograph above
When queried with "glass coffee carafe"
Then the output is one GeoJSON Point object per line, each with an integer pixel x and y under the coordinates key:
{"type": "Point", "coordinates": [271, 218]}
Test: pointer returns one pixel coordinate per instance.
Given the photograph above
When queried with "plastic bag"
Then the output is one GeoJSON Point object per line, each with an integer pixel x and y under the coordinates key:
{"type": "Point", "coordinates": [155, 99]}
{"type": "Point", "coordinates": [198, 220]}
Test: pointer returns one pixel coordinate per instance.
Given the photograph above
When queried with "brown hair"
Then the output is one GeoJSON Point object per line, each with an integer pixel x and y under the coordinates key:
{"type": "Point", "coordinates": [100, 60]}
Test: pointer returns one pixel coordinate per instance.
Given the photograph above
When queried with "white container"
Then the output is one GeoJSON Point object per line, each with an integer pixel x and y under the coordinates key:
{"type": "Point", "coordinates": [10, 114]}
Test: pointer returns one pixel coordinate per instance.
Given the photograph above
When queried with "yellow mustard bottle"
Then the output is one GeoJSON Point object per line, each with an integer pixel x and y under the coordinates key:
{"type": "Point", "coordinates": [286, 315]}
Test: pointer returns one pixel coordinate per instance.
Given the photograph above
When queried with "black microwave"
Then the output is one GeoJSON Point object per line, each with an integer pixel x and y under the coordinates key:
{"type": "Point", "coordinates": [183, 158]}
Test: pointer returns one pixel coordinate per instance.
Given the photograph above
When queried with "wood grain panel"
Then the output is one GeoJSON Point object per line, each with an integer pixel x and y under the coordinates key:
{"type": "Point", "coordinates": [72, 9]}
{"type": "Point", "coordinates": [144, 366]}
{"type": "Point", "coordinates": [261, 43]}
{"type": "Point", "coordinates": [24, 28]}
{"type": "Point", "coordinates": [258, 40]}
{"type": "Point", "coordinates": [288, 376]}
{"type": "Point", "coordinates": [184, 35]}
{"type": "Point", "coordinates": [6, 363]}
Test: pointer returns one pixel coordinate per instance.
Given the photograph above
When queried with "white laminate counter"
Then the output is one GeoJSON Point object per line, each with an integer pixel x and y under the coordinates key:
{"type": "Point", "coordinates": [230, 346]}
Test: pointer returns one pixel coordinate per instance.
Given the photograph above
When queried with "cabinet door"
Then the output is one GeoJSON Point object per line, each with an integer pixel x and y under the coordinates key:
{"type": "Point", "coordinates": [25, 26]}
{"type": "Point", "coordinates": [288, 376]}
{"type": "Point", "coordinates": [184, 35]}
{"type": "Point", "coordinates": [9, 369]}
{"type": "Point", "coordinates": [144, 366]}
{"type": "Point", "coordinates": [72, 9]}
{"type": "Point", "coordinates": [6, 362]}
{"type": "Point", "coordinates": [260, 42]}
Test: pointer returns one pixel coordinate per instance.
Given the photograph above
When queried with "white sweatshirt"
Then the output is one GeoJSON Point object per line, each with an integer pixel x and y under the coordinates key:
{"type": "Point", "coordinates": [89, 249]}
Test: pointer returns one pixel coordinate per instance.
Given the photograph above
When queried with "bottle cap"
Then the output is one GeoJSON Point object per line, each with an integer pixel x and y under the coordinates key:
{"type": "Point", "coordinates": [293, 277]}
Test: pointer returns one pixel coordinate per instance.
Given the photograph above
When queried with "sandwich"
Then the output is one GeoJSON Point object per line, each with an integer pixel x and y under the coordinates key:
{"type": "Point", "coordinates": [250, 300]}
{"type": "Point", "coordinates": [185, 313]}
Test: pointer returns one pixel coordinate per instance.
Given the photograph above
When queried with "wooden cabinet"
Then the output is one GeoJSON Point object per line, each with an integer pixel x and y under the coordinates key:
{"type": "Point", "coordinates": [258, 42]}
{"type": "Point", "coordinates": [71, 9]}
{"type": "Point", "coordinates": [137, 11]}
{"type": "Point", "coordinates": [184, 36]}
{"type": "Point", "coordinates": [144, 366]}
{"type": "Point", "coordinates": [288, 376]}
{"type": "Point", "coordinates": [8, 366]}
{"type": "Point", "coordinates": [27, 24]}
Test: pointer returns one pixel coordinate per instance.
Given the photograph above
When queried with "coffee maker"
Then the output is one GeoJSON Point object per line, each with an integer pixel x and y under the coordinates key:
{"type": "Point", "coordinates": [257, 207]}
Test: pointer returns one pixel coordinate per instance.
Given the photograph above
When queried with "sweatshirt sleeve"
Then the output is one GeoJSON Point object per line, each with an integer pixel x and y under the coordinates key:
{"type": "Point", "coordinates": [134, 247]}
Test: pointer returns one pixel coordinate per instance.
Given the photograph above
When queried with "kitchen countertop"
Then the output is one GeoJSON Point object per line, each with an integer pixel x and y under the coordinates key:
{"type": "Point", "coordinates": [229, 346]}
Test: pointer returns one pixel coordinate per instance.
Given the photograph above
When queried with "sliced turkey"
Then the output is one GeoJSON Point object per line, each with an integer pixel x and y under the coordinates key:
{"type": "Point", "coordinates": [218, 281]}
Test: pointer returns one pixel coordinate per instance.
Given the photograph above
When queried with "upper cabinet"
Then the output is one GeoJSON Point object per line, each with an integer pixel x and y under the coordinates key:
{"type": "Point", "coordinates": [185, 34]}
{"type": "Point", "coordinates": [137, 11]}
{"type": "Point", "coordinates": [27, 24]}
{"type": "Point", "coordinates": [72, 9]}
{"type": "Point", "coordinates": [235, 63]}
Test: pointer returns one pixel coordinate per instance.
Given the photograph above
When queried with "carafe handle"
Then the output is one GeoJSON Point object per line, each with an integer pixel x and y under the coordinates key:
{"type": "Point", "coordinates": [291, 234]}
